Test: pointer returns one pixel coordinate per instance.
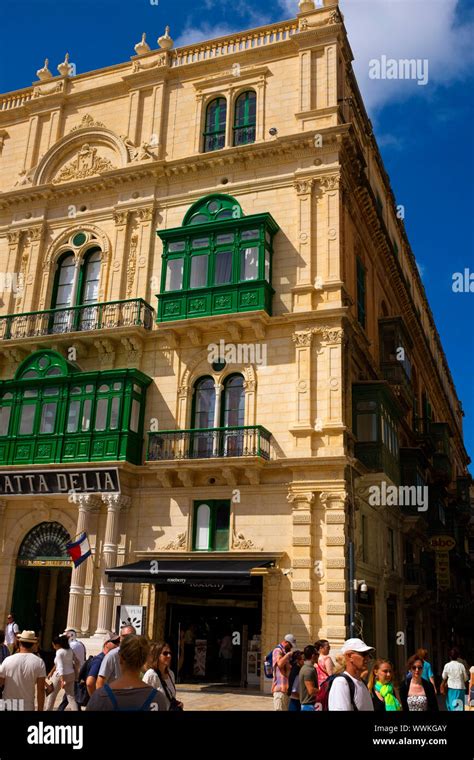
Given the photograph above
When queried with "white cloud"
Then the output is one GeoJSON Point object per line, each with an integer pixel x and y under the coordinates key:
{"type": "Point", "coordinates": [205, 31]}
{"type": "Point", "coordinates": [401, 29]}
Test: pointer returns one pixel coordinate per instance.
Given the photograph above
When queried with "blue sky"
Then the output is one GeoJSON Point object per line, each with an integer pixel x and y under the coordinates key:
{"type": "Point", "coordinates": [425, 132]}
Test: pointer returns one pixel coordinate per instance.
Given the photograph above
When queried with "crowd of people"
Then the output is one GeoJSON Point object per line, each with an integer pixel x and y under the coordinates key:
{"type": "Point", "coordinates": [133, 674]}
{"type": "Point", "coordinates": [310, 679]}
{"type": "Point", "coordinates": [129, 674]}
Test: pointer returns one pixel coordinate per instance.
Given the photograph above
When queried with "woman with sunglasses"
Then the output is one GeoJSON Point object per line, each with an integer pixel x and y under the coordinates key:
{"type": "Point", "coordinates": [160, 676]}
{"type": "Point", "coordinates": [416, 693]}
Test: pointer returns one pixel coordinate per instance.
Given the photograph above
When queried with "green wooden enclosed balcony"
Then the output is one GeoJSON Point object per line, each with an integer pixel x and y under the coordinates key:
{"type": "Point", "coordinates": [52, 412]}
{"type": "Point", "coordinates": [209, 443]}
{"type": "Point", "coordinates": [218, 262]}
{"type": "Point", "coordinates": [98, 316]}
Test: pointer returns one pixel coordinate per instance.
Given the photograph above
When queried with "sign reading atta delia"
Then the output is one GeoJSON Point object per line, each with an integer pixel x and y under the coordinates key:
{"type": "Point", "coordinates": [36, 482]}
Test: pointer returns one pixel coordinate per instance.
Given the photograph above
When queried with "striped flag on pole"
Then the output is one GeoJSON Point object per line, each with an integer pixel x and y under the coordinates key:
{"type": "Point", "coordinates": [79, 550]}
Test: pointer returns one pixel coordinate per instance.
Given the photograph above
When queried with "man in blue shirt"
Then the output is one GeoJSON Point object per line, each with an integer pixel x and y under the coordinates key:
{"type": "Point", "coordinates": [111, 641]}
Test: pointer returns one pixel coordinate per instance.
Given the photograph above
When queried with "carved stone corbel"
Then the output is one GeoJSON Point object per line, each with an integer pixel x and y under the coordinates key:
{"type": "Point", "coordinates": [133, 350]}
{"type": "Point", "coordinates": [229, 475]}
{"type": "Point", "coordinates": [234, 330]}
{"type": "Point", "coordinates": [106, 351]}
{"type": "Point", "coordinates": [194, 336]}
{"type": "Point", "coordinates": [186, 477]}
{"type": "Point", "coordinates": [165, 478]}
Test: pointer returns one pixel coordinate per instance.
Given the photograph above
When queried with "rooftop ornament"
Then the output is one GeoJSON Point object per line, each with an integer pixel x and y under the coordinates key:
{"type": "Point", "coordinates": [165, 42]}
{"type": "Point", "coordinates": [142, 47]}
{"type": "Point", "coordinates": [306, 5]}
{"type": "Point", "coordinates": [44, 73]}
{"type": "Point", "coordinates": [64, 68]}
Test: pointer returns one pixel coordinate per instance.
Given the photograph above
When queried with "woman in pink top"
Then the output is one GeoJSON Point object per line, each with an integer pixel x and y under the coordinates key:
{"type": "Point", "coordinates": [324, 666]}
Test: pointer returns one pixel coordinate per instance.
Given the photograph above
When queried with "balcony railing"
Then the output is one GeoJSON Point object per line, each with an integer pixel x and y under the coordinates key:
{"type": "Point", "coordinates": [209, 443]}
{"type": "Point", "coordinates": [97, 316]}
{"type": "Point", "coordinates": [395, 374]}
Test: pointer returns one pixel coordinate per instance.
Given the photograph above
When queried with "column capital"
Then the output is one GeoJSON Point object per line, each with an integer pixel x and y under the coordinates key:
{"type": "Point", "coordinates": [302, 339]}
{"type": "Point", "coordinates": [301, 500]}
{"type": "Point", "coordinates": [87, 501]}
{"type": "Point", "coordinates": [116, 501]}
{"type": "Point", "coordinates": [334, 499]}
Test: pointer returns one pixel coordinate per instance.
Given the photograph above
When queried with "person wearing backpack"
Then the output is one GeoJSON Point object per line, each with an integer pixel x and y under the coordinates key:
{"type": "Point", "coordinates": [347, 691]}
{"type": "Point", "coordinates": [281, 657]}
{"type": "Point", "coordinates": [128, 693]}
{"type": "Point", "coordinates": [111, 641]}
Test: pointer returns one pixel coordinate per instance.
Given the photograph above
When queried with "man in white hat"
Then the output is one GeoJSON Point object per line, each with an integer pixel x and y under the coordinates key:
{"type": "Point", "coordinates": [21, 672]}
{"type": "Point", "coordinates": [348, 691]}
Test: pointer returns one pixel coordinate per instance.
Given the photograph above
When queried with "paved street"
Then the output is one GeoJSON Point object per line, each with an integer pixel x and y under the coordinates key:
{"type": "Point", "coordinates": [210, 697]}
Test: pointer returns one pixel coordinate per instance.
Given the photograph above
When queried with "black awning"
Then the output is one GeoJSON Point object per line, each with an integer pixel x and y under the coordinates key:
{"type": "Point", "coordinates": [192, 573]}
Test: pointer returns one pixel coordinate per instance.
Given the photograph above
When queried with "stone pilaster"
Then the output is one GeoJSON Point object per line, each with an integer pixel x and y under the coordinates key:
{"type": "Point", "coordinates": [303, 423]}
{"type": "Point", "coordinates": [304, 287]}
{"type": "Point", "coordinates": [144, 253]}
{"type": "Point", "coordinates": [328, 229]}
{"type": "Point", "coordinates": [114, 503]}
{"type": "Point", "coordinates": [120, 258]}
{"type": "Point", "coordinates": [302, 579]}
{"type": "Point", "coordinates": [87, 503]}
{"type": "Point", "coordinates": [333, 571]}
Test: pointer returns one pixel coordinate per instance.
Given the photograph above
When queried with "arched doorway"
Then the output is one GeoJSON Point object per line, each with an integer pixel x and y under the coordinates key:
{"type": "Point", "coordinates": [42, 581]}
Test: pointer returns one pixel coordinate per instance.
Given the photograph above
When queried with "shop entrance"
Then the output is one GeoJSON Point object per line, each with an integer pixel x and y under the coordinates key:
{"type": "Point", "coordinates": [215, 640]}
{"type": "Point", "coordinates": [42, 581]}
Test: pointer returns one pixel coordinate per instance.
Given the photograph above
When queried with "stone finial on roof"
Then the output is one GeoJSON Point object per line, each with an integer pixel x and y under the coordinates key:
{"type": "Point", "coordinates": [165, 42]}
{"type": "Point", "coordinates": [306, 5]}
{"type": "Point", "coordinates": [64, 68]}
{"type": "Point", "coordinates": [142, 47]}
{"type": "Point", "coordinates": [44, 73]}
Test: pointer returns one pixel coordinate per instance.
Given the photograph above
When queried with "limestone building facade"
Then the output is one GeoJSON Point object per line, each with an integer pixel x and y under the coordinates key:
{"type": "Point", "coordinates": [227, 196]}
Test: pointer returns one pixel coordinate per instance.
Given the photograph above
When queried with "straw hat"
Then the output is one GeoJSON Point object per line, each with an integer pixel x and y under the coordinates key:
{"type": "Point", "coordinates": [28, 636]}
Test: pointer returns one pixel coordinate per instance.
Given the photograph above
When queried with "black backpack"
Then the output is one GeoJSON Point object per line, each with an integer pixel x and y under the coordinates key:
{"type": "Point", "coordinates": [82, 695]}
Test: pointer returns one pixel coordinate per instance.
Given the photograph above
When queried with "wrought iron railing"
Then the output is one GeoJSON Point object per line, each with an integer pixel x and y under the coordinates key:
{"type": "Point", "coordinates": [97, 316]}
{"type": "Point", "coordinates": [244, 135]}
{"type": "Point", "coordinates": [209, 443]}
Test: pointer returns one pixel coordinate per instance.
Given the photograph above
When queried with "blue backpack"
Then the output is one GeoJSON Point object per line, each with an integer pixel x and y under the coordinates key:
{"type": "Point", "coordinates": [145, 705]}
{"type": "Point", "coordinates": [268, 662]}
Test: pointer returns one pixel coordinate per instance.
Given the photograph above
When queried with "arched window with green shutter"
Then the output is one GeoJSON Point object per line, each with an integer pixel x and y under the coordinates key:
{"type": "Point", "coordinates": [245, 118]}
{"type": "Point", "coordinates": [215, 124]}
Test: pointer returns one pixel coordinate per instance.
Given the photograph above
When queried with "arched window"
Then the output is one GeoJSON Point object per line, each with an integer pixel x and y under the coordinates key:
{"type": "Point", "coordinates": [245, 118]}
{"type": "Point", "coordinates": [47, 540]}
{"type": "Point", "coordinates": [233, 406]}
{"type": "Point", "coordinates": [203, 525]}
{"type": "Point", "coordinates": [62, 293]}
{"type": "Point", "coordinates": [71, 289]}
{"type": "Point", "coordinates": [233, 415]}
{"type": "Point", "coordinates": [214, 133]}
{"type": "Point", "coordinates": [204, 405]}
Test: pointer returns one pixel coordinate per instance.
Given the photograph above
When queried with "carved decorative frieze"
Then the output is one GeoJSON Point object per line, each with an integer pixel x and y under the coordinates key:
{"type": "Point", "coordinates": [132, 264]}
{"type": "Point", "coordinates": [178, 544]}
{"type": "Point", "coordinates": [86, 164]}
{"type": "Point", "coordinates": [240, 542]}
